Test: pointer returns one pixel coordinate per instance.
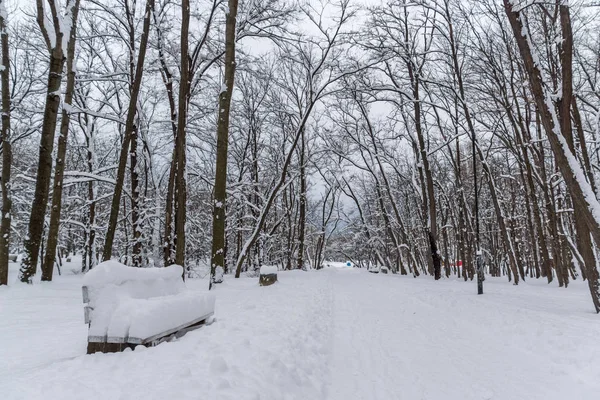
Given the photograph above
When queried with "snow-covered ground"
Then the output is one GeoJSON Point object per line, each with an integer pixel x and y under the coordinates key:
{"type": "Point", "coordinates": [336, 334]}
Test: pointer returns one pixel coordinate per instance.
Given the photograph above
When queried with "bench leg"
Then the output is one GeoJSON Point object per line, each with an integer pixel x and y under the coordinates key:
{"type": "Point", "coordinates": [95, 347]}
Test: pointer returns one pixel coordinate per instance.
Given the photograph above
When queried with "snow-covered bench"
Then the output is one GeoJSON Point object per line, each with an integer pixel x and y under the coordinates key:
{"type": "Point", "coordinates": [126, 307]}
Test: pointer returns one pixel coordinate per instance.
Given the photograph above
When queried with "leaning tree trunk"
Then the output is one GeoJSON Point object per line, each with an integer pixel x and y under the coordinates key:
{"type": "Point", "coordinates": [220, 194]}
{"type": "Point", "coordinates": [61, 152]}
{"type": "Point", "coordinates": [5, 217]}
{"type": "Point", "coordinates": [129, 129]}
{"type": "Point", "coordinates": [584, 200]}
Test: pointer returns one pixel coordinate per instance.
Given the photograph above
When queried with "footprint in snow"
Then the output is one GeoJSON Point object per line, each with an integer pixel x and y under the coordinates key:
{"type": "Point", "coordinates": [218, 365]}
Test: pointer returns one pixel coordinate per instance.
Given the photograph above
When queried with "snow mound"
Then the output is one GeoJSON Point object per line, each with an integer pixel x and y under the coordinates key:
{"type": "Point", "coordinates": [138, 319]}
{"type": "Point", "coordinates": [113, 272]}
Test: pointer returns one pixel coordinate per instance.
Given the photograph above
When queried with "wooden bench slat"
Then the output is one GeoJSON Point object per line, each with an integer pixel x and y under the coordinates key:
{"type": "Point", "coordinates": [170, 331]}
{"type": "Point", "coordinates": [184, 328]}
{"type": "Point", "coordinates": [85, 294]}
{"type": "Point", "coordinates": [87, 310]}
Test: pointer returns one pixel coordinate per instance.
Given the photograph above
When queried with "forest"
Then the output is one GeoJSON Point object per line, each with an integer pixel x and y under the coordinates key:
{"type": "Point", "coordinates": [446, 138]}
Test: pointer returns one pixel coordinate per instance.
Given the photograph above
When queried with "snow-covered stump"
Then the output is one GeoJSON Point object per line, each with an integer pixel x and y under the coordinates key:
{"type": "Point", "coordinates": [268, 275]}
{"type": "Point", "coordinates": [219, 275]}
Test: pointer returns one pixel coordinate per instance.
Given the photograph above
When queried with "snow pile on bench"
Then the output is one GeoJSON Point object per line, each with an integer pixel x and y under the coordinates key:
{"type": "Point", "coordinates": [113, 272]}
{"type": "Point", "coordinates": [143, 320]}
{"type": "Point", "coordinates": [140, 305]}
{"type": "Point", "coordinates": [268, 269]}
{"type": "Point", "coordinates": [268, 275]}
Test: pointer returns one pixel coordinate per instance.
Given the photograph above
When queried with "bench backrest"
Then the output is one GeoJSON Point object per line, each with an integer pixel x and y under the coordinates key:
{"type": "Point", "coordinates": [110, 281]}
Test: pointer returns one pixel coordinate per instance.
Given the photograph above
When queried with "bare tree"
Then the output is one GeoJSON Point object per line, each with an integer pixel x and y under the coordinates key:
{"type": "Point", "coordinates": [587, 219]}
{"type": "Point", "coordinates": [59, 168]}
{"type": "Point", "coordinates": [317, 63]}
{"type": "Point", "coordinates": [131, 128]}
{"type": "Point", "coordinates": [220, 189]}
{"type": "Point", "coordinates": [180, 142]}
{"type": "Point", "coordinates": [55, 39]}
{"type": "Point", "coordinates": [5, 216]}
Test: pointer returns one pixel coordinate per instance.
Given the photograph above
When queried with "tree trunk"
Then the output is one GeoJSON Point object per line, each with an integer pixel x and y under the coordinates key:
{"type": "Point", "coordinates": [61, 152]}
{"type": "Point", "coordinates": [5, 216]}
{"type": "Point", "coordinates": [180, 142]}
{"type": "Point", "coordinates": [44, 170]}
{"type": "Point", "coordinates": [584, 200]}
{"type": "Point", "coordinates": [168, 253]}
{"type": "Point", "coordinates": [428, 189]}
{"type": "Point", "coordinates": [136, 233]}
{"type": "Point", "coordinates": [167, 76]}
{"type": "Point", "coordinates": [302, 205]}
{"type": "Point", "coordinates": [129, 129]}
{"type": "Point", "coordinates": [220, 189]}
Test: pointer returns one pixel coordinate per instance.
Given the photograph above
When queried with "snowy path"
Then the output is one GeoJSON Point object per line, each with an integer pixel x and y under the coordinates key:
{"type": "Point", "coordinates": [326, 335]}
{"type": "Point", "coordinates": [399, 338]}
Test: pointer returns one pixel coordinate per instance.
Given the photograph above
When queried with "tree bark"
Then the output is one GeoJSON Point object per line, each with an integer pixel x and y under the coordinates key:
{"type": "Point", "coordinates": [44, 169]}
{"type": "Point", "coordinates": [136, 233]}
{"type": "Point", "coordinates": [428, 189]}
{"type": "Point", "coordinates": [581, 191]}
{"type": "Point", "coordinates": [129, 129]}
{"type": "Point", "coordinates": [220, 189]}
{"type": "Point", "coordinates": [168, 248]}
{"type": "Point", "coordinates": [167, 76]}
{"type": "Point", "coordinates": [61, 153]}
{"type": "Point", "coordinates": [302, 202]}
{"type": "Point", "coordinates": [180, 142]}
{"type": "Point", "coordinates": [5, 217]}
{"type": "Point", "coordinates": [91, 231]}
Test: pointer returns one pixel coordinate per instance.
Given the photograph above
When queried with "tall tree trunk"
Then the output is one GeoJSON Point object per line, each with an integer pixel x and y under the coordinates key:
{"type": "Point", "coordinates": [302, 202]}
{"type": "Point", "coordinates": [136, 232]}
{"type": "Point", "coordinates": [61, 152]}
{"type": "Point", "coordinates": [5, 216]}
{"type": "Point", "coordinates": [129, 129]}
{"type": "Point", "coordinates": [44, 169]}
{"type": "Point", "coordinates": [428, 192]}
{"type": "Point", "coordinates": [167, 76]}
{"type": "Point", "coordinates": [552, 265]}
{"type": "Point", "coordinates": [506, 237]}
{"type": "Point", "coordinates": [220, 189]}
{"type": "Point", "coordinates": [180, 142]}
{"type": "Point", "coordinates": [471, 129]}
{"type": "Point", "coordinates": [585, 156]}
{"type": "Point", "coordinates": [90, 262]}
{"type": "Point", "coordinates": [536, 212]}
{"type": "Point", "coordinates": [168, 253]}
